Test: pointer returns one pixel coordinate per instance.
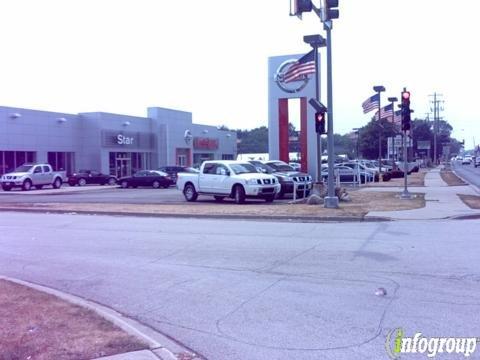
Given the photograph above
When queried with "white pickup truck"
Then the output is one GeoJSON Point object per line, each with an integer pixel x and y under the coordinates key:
{"type": "Point", "coordinates": [227, 178]}
{"type": "Point", "coordinates": [29, 175]}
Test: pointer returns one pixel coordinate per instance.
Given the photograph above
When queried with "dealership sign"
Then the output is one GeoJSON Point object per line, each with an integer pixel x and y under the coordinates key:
{"type": "Point", "coordinates": [289, 87]}
{"type": "Point", "coordinates": [201, 143]}
{"type": "Point", "coordinates": [127, 139]}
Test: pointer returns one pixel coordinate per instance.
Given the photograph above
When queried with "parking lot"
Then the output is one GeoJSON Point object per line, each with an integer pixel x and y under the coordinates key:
{"type": "Point", "coordinates": [111, 195]}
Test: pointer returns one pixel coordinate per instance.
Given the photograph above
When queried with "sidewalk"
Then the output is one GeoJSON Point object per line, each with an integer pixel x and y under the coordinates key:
{"type": "Point", "coordinates": [441, 200]}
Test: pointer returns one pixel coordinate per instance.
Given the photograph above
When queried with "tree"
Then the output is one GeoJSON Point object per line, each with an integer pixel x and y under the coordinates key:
{"type": "Point", "coordinates": [253, 141]}
{"type": "Point", "coordinates": [368, 141]}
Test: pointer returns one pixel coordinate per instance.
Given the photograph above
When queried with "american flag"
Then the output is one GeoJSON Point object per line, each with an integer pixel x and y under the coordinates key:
{"type": "Point", "coordinates": [385, 112]}
{"type": "Point", "coordinates": [371, 103]}
{"type": "Point", "coordinates": [304, 66]}
{"type": "Point", "coordinates": [397, 119]}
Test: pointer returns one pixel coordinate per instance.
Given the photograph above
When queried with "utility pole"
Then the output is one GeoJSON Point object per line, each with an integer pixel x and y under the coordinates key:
{"type": "Point", "coordinates": [436, 117]}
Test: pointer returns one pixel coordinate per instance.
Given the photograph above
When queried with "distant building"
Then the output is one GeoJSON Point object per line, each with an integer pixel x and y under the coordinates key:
{"type": "Point", "coordinates": [111, 143]}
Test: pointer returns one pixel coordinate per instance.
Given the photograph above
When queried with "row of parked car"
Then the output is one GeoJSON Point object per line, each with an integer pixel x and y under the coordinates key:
{"type": "Point", "coordinates": [28, 176]}
{"type": "Point", "coordinates": [240, 180]}
{"type": "Point", "coordinates": [163, 177]}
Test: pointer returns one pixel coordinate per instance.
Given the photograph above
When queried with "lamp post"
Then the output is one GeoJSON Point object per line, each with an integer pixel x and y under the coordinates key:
{"type": "Point", "coordinates": [378, 89]}
{"type": "Point", "coordinates": [393, 100]}
{"type": "Point", "coordinates": [317, 41]}
{"type": "Point", "coordinates": [357, 132]}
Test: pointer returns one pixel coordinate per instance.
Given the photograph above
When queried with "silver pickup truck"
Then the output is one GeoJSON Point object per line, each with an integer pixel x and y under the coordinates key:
{"type": "Point", "coordinates": [29, 175]}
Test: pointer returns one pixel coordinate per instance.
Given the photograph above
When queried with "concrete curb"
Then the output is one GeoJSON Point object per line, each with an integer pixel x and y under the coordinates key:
{"type": "Point", "coordinates": [160, 346]}
{"type": "Point", "coordinates": [204, 216]}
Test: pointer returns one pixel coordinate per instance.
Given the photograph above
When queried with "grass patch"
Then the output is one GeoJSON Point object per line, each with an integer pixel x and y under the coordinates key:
{"type": "Point", "coordinates": [451, 179]}
{"type": "Point", "coordinates": [471, 201]}
{"type": "Point", "coordinates": [39, 326]}
{"type": "Point", "coordinates": [362, 202]}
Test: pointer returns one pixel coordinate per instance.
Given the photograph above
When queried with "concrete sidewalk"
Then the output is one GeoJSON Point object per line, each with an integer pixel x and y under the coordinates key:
{"type": "Point", "coordinates": [441, 200]}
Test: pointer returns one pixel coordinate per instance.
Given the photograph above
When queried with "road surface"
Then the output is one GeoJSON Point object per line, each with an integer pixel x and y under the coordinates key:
{"type": "Point", "coordinates": [254, 290]}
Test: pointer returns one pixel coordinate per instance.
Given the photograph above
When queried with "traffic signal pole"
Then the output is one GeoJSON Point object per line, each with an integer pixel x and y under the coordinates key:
{"type": "Point", "coordinates": [331, 201]}
{"type": "Point", "coordinates": [405, 125]}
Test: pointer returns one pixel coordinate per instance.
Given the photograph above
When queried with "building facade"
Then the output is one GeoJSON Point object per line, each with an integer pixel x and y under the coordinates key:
{"type": "Point", "coordinates": [111, 143]}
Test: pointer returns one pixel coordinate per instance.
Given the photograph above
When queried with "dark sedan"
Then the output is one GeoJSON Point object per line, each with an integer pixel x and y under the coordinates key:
{"type": "Point", "coordinates": [153, 178]}
{"type": "Point", "coordinates": [84, 177]}
{"type": "Point", "coordinates": [173, 171]}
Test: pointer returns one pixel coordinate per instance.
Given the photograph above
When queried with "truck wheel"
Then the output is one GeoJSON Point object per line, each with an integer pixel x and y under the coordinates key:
{"type": "Point", "coordinates": [82, 182]}
{"type": "Point", "coordinates": [156, 184]}
{"type": "Point", "coordinates": [57, 184]}
{"type": "Point", "coordinates": [190, 193]}
{"type": "Point", "coordinates": [239, 194]}
{"type": "Point", "coordinates": [38, 187]}
{"type": "Point", "coordinates": [124, 184]}
{"type": "Point", "coordinates": [27, 185]}
{"type": "Point", "coordinates": [269, 198]}
{"type": "Point", "coordinates": [219, 198]}
{"type": "Point", "coordinates": [111, 181]}
{"type": "Point", "coordinates": [6, 188]}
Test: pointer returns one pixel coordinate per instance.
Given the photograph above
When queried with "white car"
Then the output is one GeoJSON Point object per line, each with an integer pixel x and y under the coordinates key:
{"type": "Point", "coordinates": [467, 160]}
{"type": "Point", "coordinates": [228, 178]}
{"type": "Point", "coordinates": [29, 175]}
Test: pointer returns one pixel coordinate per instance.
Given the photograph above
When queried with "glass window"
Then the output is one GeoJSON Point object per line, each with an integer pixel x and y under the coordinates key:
{"type": "Point", "coordinates": [243, 168]}
{"type": "Point", "coordinates": [9, 161]}
{"type": "Point", "coordinates": [209, 168]}
{"type": "Point", "coordinates": [46, 169]}
{"type": "Point", "coordinates": [20, 158]}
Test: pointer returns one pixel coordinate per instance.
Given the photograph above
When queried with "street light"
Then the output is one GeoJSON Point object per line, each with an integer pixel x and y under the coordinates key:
{"type": "Point", "coordinates": [357, 132]}
{"type": "Point", "coordinates": [393, 100]}
{"type": "Point", "coordinates": [378, 89]}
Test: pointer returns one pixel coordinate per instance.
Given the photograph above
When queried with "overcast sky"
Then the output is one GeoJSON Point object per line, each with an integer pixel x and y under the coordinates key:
{"type": "Point", "coordinates": [210, 57]}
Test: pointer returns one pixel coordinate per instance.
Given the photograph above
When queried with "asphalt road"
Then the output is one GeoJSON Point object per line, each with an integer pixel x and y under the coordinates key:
{"type": "Point", "coordinates": [468, 172]}
{"type": "Point", "coordinates": [253, 290]}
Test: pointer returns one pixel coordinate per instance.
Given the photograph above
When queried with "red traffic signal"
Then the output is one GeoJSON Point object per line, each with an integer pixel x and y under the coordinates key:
{"type": "Point", "coordinates": [320, 122]}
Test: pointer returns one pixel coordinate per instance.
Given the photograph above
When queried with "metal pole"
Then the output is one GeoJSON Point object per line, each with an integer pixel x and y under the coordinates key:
{"type": "Point", "coordinates": [405, 194]}
{"type": "Point", "coordinates": [379, 138]}
{"type": "Point", "coordinates": [331, 201]}
{"type": "Point", "coordinates": [317, 97]}
{"type": "Point", "coordinates": [435, 129]}
{"type": "Point", "coordinates": [394, 134]}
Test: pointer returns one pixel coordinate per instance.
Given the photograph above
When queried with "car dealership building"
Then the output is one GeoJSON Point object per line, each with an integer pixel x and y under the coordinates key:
{"type": "Point", "coordinates": [113, 144]}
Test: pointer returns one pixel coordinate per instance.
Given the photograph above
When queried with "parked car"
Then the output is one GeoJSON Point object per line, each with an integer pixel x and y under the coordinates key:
{"type": "Point", "coordinates": [476, 161]}
{"type": "Point", "coordinates": [350, 172]}
{"type": "Point", "coordinates": [228, 178]}
{"type": "Point", "coordinates": [29, 175]}
{"type": "Point", "coordinates": [287, 177]}
{"type": "Point", "coordinates": [153, 178]}
{"type": "Point", "coordinates": [467, 160]}
{"type": "Point", "coordinates": [84, 177]}
{"type": "Point", "coordinates": [173, 170]}
{"type": "Point", "coordinates": [295, 165]}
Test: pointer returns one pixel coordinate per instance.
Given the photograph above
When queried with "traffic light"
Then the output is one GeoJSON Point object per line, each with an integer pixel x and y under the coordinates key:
{"type": "Point", "coordinates": [329, 10]}
{"type": "Point", "coordinates": [297, 7]}
{"type": "Point", "coordinates": [320, 122]}
{"type": "Point", "coordinates": [406, 110]}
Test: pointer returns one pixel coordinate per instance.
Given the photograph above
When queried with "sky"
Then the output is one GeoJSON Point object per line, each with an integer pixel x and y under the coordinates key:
{"type": "Point", "coordinates": [210, 57]}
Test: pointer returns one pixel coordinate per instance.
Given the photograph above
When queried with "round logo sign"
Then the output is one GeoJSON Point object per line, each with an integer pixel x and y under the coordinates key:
{"type": "Point", "coordinates": [293, 86]}
{"type": "Point", "coordinates": [188, 137]}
